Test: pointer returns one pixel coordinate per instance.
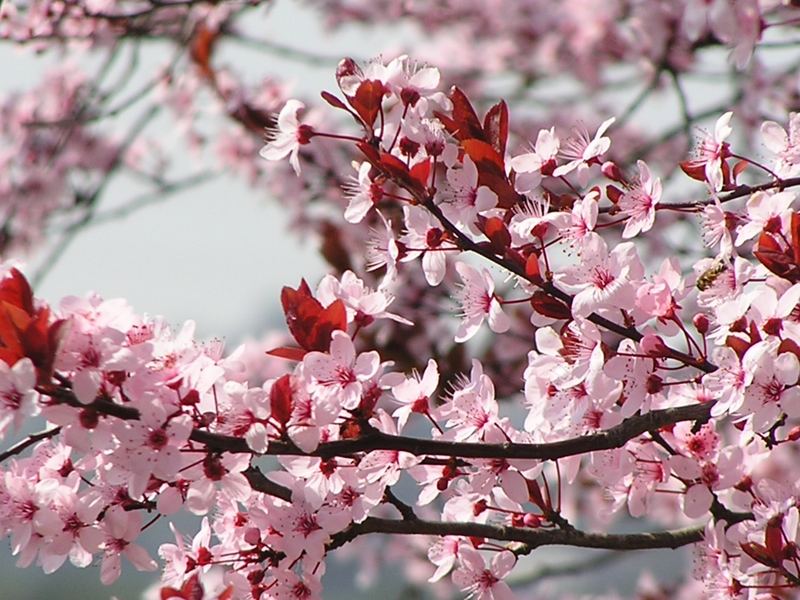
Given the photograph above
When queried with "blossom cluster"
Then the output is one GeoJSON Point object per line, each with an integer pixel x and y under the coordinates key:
{"type": "Point", "coordinates": [668, 391]}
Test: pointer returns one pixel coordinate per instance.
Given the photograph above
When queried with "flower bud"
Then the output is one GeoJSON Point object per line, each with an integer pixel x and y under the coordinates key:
{"type": "Point", "coordinates": [701, 323]}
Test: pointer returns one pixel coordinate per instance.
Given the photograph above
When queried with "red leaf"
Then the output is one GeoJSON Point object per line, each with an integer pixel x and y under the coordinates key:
{"type": "Point", "coordinates": [694, 169]}
{"type": "Point", "coordinates": [614, 193]}
{"type": "Point", "coordinates": [467, 124]}
{"type": "Point", "coordinates": [789, 345]}
{"type": "Point", "coordinates": [773, 539]}
{"type": "Point", "coordinates": [367, 101]}
{"type": "Point", "coordinates": [421, 172]}
{"type": "Point", "coordinates": [491, 171]}
{"type": "Point", "coordinates": [227, 593]}
{"type": "Point", "coordinates": [739, 168]}
{"type": "Point", "coordinates": [333, 100]}
{"type": "Point", "coordinates": [190, 590]}
{"type": "Point", "coordinates": [532, 270]}
{"type": "Point", "coordinates": [280, 400]}
{"type": "Point", "coordinates": [480, 151]}
{"type": "Point", "coordinates": [495, 127]}
{"type": "Point", "coordinates": [738, 345]}
{"type": "Point", "coordinates": [546, 305]}
{"type": "Point", "coordinates": [758, 553]}
{"type": "Point", "coordinates": [310, 324]}
{"type": "Point", "coordinates": [15, 290]}
{"type": "Point", "coordinates": [202, 45]}
{"type": "Point", "coordinates": [26, 331]}
{"type": "Point", "coordinates": [795, 229]}
{"type": "Point", "coordinates": [495, 229]}
{"type": "Point", "coordinates": [288, 352]}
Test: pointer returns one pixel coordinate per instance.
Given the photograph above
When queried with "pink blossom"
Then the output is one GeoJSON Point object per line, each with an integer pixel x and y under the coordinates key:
{"type": "Point", "coordinates": [639, 202]}
{"type": "Point", "coordinates": [363, 193]}
{"type": "Point", "coordinates": [466, 199]}
{"type": "Point", "coordinates": [121, 528]}
{"type": "Point", "coordinates": [289, 136]}
{"type": "Point", "coordinates": [17, 396]}
{"type": "Point", "coordinates": [150, 448]}
{"type": "Point", "coordinates": [603, 279]}
{"type": "Point", "coordinates": [478, 302]}
{"type": "Point", "coordinates": [340, 373]}
{"type": "Point", "coordinates": [414, 393]}
{"type": "Point", "coordinates": [785, 145]}
{"type": "Point", "coordinates": [728, 382]}
{"type": "Point", "coordinates": [530, 166]}
{"type": "Point", "coordinates": [363, 304]}
{"type": "Point", "coordinates": [582, 152]}
{"type": "Point", "coordinates": [712, 150]}
{"type": "Point", "coordinates": [306, 530]}
{"type": "Point", "coordinates": [182, 560]}
{"type": "Point", "coordinates": [765, 210]}
{"type": "Point", "coordinates": [482, 583]}
{"type": "Point", "coordinates": [660, 298]}
{"type": "Point", "coordinates": [425, 236]}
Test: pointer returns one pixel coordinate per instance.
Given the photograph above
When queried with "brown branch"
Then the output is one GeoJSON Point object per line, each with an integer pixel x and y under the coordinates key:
{"type": "Point", "coordinates": [259, 482]}
{"type": "Point", "coordinates": [29, 441]}
{"type": "Point", "coordinates": [532, 538]}
{"type": "Point", "coordinates": [740, 192]}
{"type": "Point", "coordinates": [608, 439]}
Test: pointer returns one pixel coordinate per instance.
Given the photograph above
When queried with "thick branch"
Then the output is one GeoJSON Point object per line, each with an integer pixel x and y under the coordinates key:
{"type": "Point", "coordinates": [532, 538]}
{"type": "Point", "coordinates": [615, 437]}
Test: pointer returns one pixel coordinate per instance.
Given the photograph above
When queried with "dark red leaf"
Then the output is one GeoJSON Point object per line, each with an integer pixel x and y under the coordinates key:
{"type": "Point", "coordinates": [367, 101]}
{"type": "Point", "coordinates": [15, 290]}
{"type": "Point", "coordinates": [467, 124]}
{"type": "Point", "coordinates": [495, 229]}
{"type": "Point", "coordinates": [795, 230]}
{"type": "Point", "coordinates": [201, 48]}
{"type": "Point", "coordinates": [280, 400]}
{"type": "Point", "coordinates": [310, 324]}
{"type": "Point", "coordinates": [288, 352]}
{"type": "Point", "coordinates": [227, 593]}
{"type": "Point", "coordinates": [738, 345]}
{"type": "Point", "coordinates": [695, 170]}
{"type": "Point", "coordinates": [758, 553]}
{"type": "Point", "coordinates": [495, 127]}
{"type": "Point", "coordinates": [482, 152]}
{"type": "Point", "coordinates": [333, 100]}
{"type": "Point", "coordinates": [773, 539]}
{"type": "Point", "coordinates": [421, 172]}
{"type": "Point", "coordinates": [546, 305]}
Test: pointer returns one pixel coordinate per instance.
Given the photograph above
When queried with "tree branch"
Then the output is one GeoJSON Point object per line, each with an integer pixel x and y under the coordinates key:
{"type": "Point", "coordinates": [532, 538]}
{"type": "Point", "coordinates": [608, 439]}
{"type": "Point", "coordinates": [29, 441]}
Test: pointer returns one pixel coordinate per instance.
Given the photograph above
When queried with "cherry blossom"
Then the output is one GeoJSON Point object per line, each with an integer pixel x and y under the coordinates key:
{"type": "Point", "coordinates": [582, 152]}
{"type": "Point", "coordinates": [713, 150]}
{"type": "Point", "coordinates": [483, 583]}
{"type": "Point", "coordinates": [289, 136]}
{"type": "Point", "coordinates": [17, 396]}
{"type": "Point", "coordinates": [784, 145]}
{"type": "Point", "coordinates": [603, 279]}
{"type": "Point", "coordinates": [415, 393]}
{"type": "Point", "coordinates": [340, 373]}
{"type": "Point", "coordinates": [478, 303]}
{"type": "Point", "coordinates": [642, 371]}
{"type": "Point", "coordinates": [120, 529]}
{"type": "Point", "coordinates": [540, 161]}
{"type": "Point", "coordinates": [639, 202]}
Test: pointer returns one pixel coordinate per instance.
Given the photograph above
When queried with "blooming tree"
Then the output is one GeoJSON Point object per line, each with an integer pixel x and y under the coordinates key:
{"type": "Point", "coordinates": [531, 332]}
